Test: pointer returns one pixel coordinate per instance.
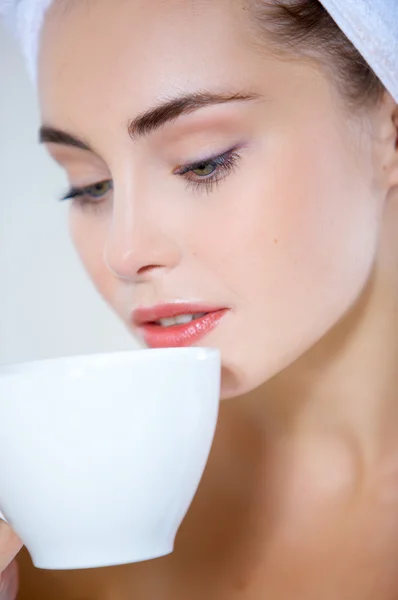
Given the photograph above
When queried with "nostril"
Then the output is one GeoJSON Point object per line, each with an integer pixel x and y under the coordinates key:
{"type": "Point", "coordinates": [148, 268]}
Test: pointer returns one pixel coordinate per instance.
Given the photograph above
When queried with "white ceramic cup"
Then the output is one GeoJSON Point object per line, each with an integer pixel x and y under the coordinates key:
{"type": "Point", "coordinates": [101, 456]}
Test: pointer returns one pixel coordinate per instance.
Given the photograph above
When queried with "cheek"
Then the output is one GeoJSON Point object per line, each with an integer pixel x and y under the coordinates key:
{"type": "Point", "coordinates": [299, 238]}
{"type": "Point", "coordinates": [295, 218]}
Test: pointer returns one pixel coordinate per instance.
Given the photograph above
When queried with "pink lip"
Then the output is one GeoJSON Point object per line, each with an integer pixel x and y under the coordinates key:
{"type": "Point", "coordinates": [156, 336]}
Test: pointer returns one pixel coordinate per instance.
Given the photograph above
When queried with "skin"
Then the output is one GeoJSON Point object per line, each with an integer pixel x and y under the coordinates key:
{"type": "Point", "coordinates": [9, 546]}
{"type": "Point", "coordinates": [300, 495]}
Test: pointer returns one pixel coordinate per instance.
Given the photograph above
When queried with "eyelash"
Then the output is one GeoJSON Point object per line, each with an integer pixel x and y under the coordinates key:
{"type": "Point", "coordinates": [84, 197]}
{"type": "Point", "coordinates": [223, 164]}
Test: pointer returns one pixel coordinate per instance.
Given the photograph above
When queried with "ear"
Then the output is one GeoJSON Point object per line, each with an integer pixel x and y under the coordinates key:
{"type": "Point", "coordinates": [395, 122]}
{"type": "Point", "coordinates": [386, 126]}
{"type": "Point", "coordinates": [393, 167]}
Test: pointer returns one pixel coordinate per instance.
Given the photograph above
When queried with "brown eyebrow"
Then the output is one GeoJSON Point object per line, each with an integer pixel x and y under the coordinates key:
{"type": "Point", "coordinates": [152, 119]}
{"type": "Point", "coordinates": [51, 135]}
{"type": "Point", "coordinates": [171, 110]}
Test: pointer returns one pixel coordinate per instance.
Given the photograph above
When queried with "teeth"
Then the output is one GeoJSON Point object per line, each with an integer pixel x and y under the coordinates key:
{"type": "Point", "coordinates": [179, 320]}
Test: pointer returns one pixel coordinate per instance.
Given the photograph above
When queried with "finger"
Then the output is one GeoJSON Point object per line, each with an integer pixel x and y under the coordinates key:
{"type": "Point", "coordinates": [9, 582]}
{"type": "Point", "coordinates": [10, 545]}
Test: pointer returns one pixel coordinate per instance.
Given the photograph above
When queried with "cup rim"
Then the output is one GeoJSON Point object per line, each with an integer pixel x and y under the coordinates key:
{"type": "Point", "coordinates": [102, 359]}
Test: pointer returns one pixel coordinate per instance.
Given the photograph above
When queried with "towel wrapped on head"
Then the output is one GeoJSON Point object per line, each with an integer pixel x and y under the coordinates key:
{"type": "Point", "coordinates": [25, 19]}
{"type": "Point", "coordinates": [371, 25]}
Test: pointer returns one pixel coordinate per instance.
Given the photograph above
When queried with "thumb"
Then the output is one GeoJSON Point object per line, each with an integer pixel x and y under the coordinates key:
{"type": "Point", "coordinates": [9, 582]}
{"type": "Point", "coordinates": [9, 546]}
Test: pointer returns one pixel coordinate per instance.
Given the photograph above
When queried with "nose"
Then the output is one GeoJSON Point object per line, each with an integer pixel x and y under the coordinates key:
{"type": "Point", "coordinates": [138, 246]}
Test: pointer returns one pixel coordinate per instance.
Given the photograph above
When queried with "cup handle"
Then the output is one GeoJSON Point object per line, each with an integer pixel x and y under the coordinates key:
{"type": "Point", "coordinates": [2, 517]}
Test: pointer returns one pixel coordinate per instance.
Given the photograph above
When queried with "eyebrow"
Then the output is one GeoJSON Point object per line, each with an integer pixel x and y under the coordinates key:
{"type": "Point", "coordinates": [171, 110]}
{"type": "Point", "coordinates": [51, 135]}
{"type": "Point", "coordinates": [151, 120]}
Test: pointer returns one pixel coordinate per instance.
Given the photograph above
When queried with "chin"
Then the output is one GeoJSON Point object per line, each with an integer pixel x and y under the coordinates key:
{"type": "Point", "coordinates": [240, 376]}
{"type": "Point", "coordinates": [237, 381]}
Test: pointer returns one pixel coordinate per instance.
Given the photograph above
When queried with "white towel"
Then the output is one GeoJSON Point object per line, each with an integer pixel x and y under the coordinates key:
{"type": "Point", "coordinates": [25, 19]}
{"type": "Point", "coordinates": [371, 25]}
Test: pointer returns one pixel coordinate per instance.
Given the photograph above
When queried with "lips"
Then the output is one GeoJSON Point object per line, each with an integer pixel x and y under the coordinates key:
{"type": "Point", "coordinates": [169, 326]}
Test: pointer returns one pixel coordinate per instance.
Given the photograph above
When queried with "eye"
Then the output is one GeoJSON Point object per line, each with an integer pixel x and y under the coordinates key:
{"type": "Point", "coordinates": [203, 175]}
{"type": "Point", "coordinates": [98, 190]}
{"type": "Point", "coordinates": [205, 169]}
{"type": "Point", "coordinates": [91, 194]}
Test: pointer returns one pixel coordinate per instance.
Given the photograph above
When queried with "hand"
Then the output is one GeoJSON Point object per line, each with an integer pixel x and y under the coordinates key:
{"type": "Point", "coordinates": [9, 547]}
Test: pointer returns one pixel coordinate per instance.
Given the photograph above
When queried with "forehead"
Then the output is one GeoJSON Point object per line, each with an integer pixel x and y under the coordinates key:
{"type": "Point", "coordinates": [110, 52]}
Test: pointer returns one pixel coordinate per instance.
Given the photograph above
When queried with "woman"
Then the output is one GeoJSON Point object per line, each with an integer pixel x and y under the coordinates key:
{"type": "Point", "coordinates": [236, 162]}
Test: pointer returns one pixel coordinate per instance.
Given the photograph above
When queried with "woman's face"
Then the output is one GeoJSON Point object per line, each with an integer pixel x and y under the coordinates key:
{"type": "Point", "coordinates": [249, 188]}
